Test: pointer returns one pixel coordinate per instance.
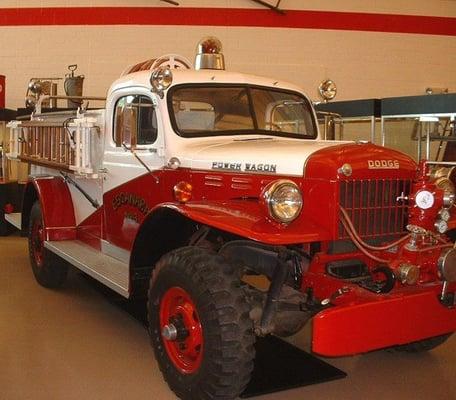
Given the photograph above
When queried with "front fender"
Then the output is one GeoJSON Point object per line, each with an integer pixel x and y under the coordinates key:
{"type": "Point", "coordinates": [56, 207]}
{"type": "Point", "coordinates": [246, 218]}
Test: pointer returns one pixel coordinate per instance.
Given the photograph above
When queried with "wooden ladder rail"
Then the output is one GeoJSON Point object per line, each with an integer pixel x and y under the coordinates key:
{"type": "Point", "coordinates": [46, 143]}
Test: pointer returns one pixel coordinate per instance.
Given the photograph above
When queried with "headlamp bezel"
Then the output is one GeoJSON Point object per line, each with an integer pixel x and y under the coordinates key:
{"type": "Point", "coordinates": [161, 79]}
{"type": "Point", "coordinates": [267, 197]}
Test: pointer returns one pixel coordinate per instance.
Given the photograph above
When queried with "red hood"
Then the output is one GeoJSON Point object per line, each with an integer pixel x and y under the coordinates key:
{"type": "Point", "coordinates": [367, 160]}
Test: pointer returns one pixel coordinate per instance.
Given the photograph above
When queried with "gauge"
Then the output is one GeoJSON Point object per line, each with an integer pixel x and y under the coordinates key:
{"type": "Point", "coordinates": [444, 214]}
{"type": "Point", "coordinates": [441, 226]}
{"type": "Point", "coordinates": [424, 199]}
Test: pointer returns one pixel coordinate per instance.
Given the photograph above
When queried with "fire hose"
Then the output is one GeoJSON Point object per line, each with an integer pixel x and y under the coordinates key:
{"type": "Point", "coordinates": [365, 247]}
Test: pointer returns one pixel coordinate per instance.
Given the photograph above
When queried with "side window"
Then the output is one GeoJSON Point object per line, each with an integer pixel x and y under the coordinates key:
{"type": "Point", "coordinates": [135, 121]}
{"type": "Point", "coordinates": [147, 125]}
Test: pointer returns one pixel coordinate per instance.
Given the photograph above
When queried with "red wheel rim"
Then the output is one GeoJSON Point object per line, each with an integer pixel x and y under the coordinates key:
{"type": "Point", "coordinates": [186, 351]}
{"type": "Point", "coordinates": [37, 242]}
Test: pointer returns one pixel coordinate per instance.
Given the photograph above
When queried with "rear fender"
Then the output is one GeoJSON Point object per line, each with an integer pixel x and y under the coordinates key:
{"type": "Point", "coordinates": [56, 206]}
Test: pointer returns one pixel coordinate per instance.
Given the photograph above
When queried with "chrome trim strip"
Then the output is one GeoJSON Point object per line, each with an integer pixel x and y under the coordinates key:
{"type": "Point", "coordinates": [445, 163]}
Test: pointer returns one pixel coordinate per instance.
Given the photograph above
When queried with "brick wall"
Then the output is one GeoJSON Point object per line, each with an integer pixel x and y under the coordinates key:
{"type": "Point", "coordinates": [363, 63]}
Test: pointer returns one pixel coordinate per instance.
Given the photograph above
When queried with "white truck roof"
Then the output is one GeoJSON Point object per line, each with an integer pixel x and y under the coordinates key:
{"type": "Point", "coordinates": [141, 79]}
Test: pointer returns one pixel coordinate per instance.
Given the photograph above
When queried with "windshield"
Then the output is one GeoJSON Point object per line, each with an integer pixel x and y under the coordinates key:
{"type": "Point", "coordinates": [212, 110]}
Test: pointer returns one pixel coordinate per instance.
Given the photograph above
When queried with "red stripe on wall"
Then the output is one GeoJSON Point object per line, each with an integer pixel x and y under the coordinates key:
{"type": "Point", "coordinates": [302, 19]}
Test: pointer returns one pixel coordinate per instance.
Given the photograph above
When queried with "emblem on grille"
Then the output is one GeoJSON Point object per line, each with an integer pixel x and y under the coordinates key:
{"type": "Point", "coordinates": [383, 164]}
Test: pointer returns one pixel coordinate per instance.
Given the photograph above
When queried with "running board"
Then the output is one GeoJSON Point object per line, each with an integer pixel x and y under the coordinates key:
{"type": "Point", "coordinates": [109, 271]}
{"type": "Point", "coordinates": [14, 219]}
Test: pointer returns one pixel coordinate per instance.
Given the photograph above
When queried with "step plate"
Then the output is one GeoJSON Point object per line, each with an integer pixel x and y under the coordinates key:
{"type": "Point", "coordinates": [14, 219]}
{"type": "Point", "coordinates": [109, 271]}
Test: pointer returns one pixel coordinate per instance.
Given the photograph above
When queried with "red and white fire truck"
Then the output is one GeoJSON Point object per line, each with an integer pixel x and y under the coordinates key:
{"type": "Point", "coordinates": [212, 195]}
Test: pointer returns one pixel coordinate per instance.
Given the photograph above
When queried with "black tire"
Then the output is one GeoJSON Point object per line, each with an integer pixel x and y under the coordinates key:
{"type": "Point", "coordinates": [423, 345]}
{"type": "Point", "coordinates": [50, 271]}
{"type": "Point", "coordinates": [221, 367]}
{"type": "Point", "coordinates": [4, 225]}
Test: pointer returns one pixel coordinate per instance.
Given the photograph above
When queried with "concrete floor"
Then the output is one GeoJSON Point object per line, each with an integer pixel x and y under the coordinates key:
{"type": "Point", "coordinates": [74, 344]}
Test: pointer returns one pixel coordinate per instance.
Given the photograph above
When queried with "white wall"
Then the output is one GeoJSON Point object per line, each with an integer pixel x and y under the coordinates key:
{"type": "Point", "coordinates": [363, 64]}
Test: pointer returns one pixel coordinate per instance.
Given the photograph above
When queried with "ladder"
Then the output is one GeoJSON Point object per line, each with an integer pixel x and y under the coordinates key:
{"type": "Point", "coordinates": [70, 145]}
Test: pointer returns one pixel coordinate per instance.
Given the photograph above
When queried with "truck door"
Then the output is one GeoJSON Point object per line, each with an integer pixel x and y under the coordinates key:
{"type": "Point", "coordinates": [132, 159]}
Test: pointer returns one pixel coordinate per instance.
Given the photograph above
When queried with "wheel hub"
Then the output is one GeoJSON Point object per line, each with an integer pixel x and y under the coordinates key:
{"type": "Point", "coordinates": [181, 330]}
{"type": "Point", "coordinates": [169, 332]}
{"type": "Point", "coordinates": [37, 242]}
{"type": "Point", "coordinates": [176, 330]}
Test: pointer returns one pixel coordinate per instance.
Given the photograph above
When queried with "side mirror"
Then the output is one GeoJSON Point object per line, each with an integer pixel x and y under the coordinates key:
{"type": "Point", "coordinates": [126, 128]}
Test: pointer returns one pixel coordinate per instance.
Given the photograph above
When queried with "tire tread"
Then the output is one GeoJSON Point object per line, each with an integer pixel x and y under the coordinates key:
{"type": "Point", "coordinates": [54, 271]}
{"type": "Point", "coordinates": [231, 339]}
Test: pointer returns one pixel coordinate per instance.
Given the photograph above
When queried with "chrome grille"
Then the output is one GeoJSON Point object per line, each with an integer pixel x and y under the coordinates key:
{"type": "Point", "coordinates": [373, 208]}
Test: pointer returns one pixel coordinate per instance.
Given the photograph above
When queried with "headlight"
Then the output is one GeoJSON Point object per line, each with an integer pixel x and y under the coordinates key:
{"type": "Point", "coordinates": [283, 200]}
{"type": "Point", "coordinates": [327, 90]}
{"type": "Point", "coordinates": [161, 79]}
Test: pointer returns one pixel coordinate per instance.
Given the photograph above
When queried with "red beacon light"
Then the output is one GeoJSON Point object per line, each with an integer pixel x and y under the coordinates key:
{"type": "Point", "coordinates": [209, 54]}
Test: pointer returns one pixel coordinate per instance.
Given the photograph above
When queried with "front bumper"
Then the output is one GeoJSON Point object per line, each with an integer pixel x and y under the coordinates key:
{"type": "Point", "coordinates": [389, 321]}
